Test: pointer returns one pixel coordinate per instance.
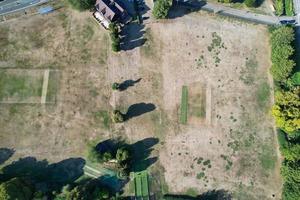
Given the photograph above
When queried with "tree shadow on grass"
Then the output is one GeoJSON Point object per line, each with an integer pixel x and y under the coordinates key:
{"type": "Point", "coordinates": [209, 195]}
{"type": "Point", "coordinates": [5, 154]}
{"type": "Point", "coordinates": [181, 8]}
{"type": "Point", "coordinates": [128, 83]}
{"type": "Point", "coordinates": [141, 152]}
{"type": "Point", "coordinates": [132, 36]}
{"type": "Point", "coordinates": [46, 177]}
{"type": "Point", "coordinates": [138, 109]}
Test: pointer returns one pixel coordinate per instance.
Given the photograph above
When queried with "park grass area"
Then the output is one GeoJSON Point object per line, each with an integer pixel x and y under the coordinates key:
{"type": "Point", "coordinates": [21, 86]}
{"type": "Point", "coordinates": [184, 105]}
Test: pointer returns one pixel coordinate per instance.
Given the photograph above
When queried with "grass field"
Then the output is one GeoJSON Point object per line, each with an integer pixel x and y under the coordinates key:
{"type": "Point", "coordinates": [184, 105]}
{"type": "Point", "coordinates": [19, 86]}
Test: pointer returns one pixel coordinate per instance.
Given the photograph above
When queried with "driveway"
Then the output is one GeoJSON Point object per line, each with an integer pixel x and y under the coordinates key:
{"type": "Point", "coordinates": [9, 6]}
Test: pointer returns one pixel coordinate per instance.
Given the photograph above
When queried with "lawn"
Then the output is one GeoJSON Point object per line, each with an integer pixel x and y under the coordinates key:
{"type": "Point", "coordinates": [19, 86]}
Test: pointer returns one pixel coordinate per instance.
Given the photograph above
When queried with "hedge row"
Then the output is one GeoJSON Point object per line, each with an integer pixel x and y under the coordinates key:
{"type": "Point", "coordinates": [284, 7]}
{"type": "Point", "coordinates": [287, 109]}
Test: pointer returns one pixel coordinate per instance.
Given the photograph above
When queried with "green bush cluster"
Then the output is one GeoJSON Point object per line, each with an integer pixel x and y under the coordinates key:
{"type": "Point", "coordinates": [282, 51]}
{"type": "Point", "coordinates": [225, 1]}
{"type": "Point", "coordinates": [286, 110]}
{"type": "Point", "coordinates": [82, 4]}
{"type": "Point", "coordinates": [161, 8]}
{"type": "Point", "coordinates": [115, 37]}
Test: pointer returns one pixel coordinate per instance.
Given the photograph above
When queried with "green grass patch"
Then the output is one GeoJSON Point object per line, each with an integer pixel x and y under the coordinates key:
{"type": "Point", "coordinates": [18, 87]}
{"type": "Point", "coordinates": [184, 105]}
{"type": "Point", "coordinates": [267, 157]}
{"type": "Point", "coordinates": [191, 192]}
{"type": "Point", "coordinates": [263, 94]}
{"type": "Point", "coordinates": [141, 185]}
{"type": "Point", "coordinates": [104, 117]}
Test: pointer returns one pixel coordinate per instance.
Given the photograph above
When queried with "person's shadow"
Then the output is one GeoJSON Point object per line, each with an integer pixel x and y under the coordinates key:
{"type": "Point", "coordinates": [128, 83]}
{"type": "Point", "coordinates": [138, 109]}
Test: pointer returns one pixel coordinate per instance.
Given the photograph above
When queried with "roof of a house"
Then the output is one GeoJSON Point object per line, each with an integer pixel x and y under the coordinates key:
{"type": "Point", "coordinates": [109, 8]}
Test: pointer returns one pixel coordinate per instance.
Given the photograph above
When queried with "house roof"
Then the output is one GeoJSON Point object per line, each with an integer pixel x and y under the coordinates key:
{"type": "Point", "coordinates": [109, 9]}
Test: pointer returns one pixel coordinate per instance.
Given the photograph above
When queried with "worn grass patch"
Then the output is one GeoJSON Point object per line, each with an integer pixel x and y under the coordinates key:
{"type": "Point", "coordinates": [104, 117]}
{"type": "Point", "coordinates": [263, 95]}
{"type": "Point", "coordinates": [191, 192]}
{"type": "Point", "coordinates": [53, 86]}
{"type": "Point", "coordinates": [267, 157]}
{"type": "Point", "coordinates": [184, 105]}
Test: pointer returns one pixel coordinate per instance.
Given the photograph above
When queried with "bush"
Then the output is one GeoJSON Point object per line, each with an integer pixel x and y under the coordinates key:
{"type": "Point", "coordinates": [279, 9]}
{"type": "Point", "coordinates": [161, 8]}
{"type": "Point", "coordinates": [282, 51]}
{"type": "Point", "coordinates": [225, 1]}
{"type": "Point", "coordinates": [115, 86]}
{"type": "Point", "coordinates": [81, 4]}
{"type": "Point", "coordinates": [289, 10]}
{"type": "Point", "coordinates": [123, 154]}
{"type": "Point", "coordinates": [291, 191]}
{"type": "Point", "coordinates": [115, 37]}
{"type": "Point", "coordinates": [117, 116]}
{"type": "Point", "coordinates": [250, 3]}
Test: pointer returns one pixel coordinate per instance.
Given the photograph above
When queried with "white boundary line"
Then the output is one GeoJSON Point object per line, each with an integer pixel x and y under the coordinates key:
{"type": "Point", "coordinates": [45, 86]}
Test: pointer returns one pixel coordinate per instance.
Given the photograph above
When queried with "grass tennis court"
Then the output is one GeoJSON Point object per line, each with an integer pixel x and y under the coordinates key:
{"type": "Point", "coordinates": [184, 105]}
{"type": "Point", "coordinates": [141, 185]}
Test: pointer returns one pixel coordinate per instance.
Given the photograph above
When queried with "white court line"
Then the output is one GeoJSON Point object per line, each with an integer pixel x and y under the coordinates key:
{"type": "Point", "coordinates": [45, 86]}
{"type": "Point", "coordinates": [208, 105]}
{"type": "Point", "coordinates": [94, 170]}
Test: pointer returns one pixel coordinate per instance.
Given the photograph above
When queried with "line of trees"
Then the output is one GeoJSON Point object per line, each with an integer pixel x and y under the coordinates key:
{"type": "Point", "coordinates": [286, 110]}
{"type": "Point", "coordinates": [82, 5]}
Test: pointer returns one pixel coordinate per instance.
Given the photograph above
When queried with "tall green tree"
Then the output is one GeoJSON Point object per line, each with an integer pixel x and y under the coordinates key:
{"type": "Point", "coordinates": [286, 110]}
{"type": "Point", "coordinates": [282, 51]}
{"type": "Point", "coordinates": [15, 189]}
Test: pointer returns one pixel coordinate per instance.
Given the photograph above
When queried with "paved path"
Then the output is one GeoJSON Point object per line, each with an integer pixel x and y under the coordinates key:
{"type": "Point", "coordinates": [10, 6]}
{"type": "Point", "coordinates": [241, 14]}
{"type": "Point", "coordinates": [45, 86]}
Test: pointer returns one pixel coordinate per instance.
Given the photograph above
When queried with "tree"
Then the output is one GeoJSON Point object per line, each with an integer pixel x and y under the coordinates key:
{"type": "Point", "coordinates": [123, 154]}
{"type": "Point", "coordinates": [78, 193]}
{"type": "Point", "coordinates": [117, 116]}
{"type": "Point", "coordinates": [290, 172]}
{"type": "Point", "coordinates": [250, 3]}
{"type": "Point", "coordinates": [286, 110]}
{"type": "Point", "coordinates": [114, 36]}
{"type": "Point", "coordinates": [282, 51]}
{"type": "Point", "coordinates": [101, 193]}
{"type": "Point", "coordinates": [82, 4]}
{"type": "Point", "coordinates": [161, 8]}
{"type": "Point", "coordinates": [15, 189]}
{"type": "Point", "coordinates": [291, 152]}
{"type": "Point", "coordinates": [291, 191]}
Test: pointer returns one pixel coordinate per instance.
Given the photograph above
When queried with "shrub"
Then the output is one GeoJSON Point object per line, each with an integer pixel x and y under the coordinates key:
{"type": "Point", "coordinates": [81, 4]}
{"type": "Point", "coordinates": [250, 3]}
{"type": "Point", "coordinates": [291, 191]}
{"type": "Point", "coordinates": [115, 86]}
{"type": "Point", "coordinates": [123, 154]}
{"type": "Point", "coordinates": [117, 116]}
{"type": "Point", "coordinates": [15, 189]}
{"type": "Point", "coordinates": [225, 1]}
{"type": "Point", "coordinates": [161, 8]}
{"type": "Point", "coordinates": [115, 37]}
